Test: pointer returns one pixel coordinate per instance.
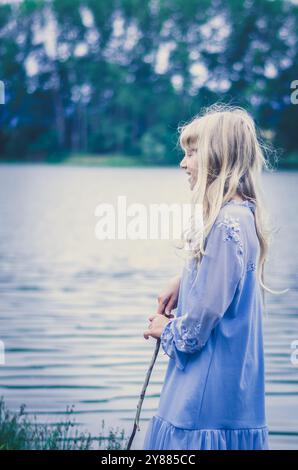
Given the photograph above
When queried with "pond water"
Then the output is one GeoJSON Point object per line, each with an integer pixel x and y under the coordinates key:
{"type": "Point", "coordinates": [74, 308]}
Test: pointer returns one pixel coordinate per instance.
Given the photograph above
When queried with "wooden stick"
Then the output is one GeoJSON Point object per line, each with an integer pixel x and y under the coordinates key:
{"type": "Point", "coordinates": [142, 396]}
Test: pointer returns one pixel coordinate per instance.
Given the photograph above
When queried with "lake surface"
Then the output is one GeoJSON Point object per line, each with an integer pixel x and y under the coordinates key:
{"type": "Point", "coordinates": [74, 308]}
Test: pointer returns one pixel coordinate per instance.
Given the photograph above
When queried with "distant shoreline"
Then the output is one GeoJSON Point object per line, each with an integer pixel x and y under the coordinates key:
{"type": "Point", "coordinates": [121, 161]}
{"type": "Point", "coordinates": [88, 160]}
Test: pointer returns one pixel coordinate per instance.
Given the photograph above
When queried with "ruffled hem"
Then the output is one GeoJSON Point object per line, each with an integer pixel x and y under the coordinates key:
{"type": "Point", "coordinates": [162, 435]}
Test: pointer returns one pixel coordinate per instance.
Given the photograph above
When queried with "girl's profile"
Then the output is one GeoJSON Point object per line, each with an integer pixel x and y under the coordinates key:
{"type": "Point", "coordinates": [213, 395]}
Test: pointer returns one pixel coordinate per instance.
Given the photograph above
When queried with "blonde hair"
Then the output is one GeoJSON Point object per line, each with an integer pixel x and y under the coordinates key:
{"type": "Point", "coordinates": [230, 157]}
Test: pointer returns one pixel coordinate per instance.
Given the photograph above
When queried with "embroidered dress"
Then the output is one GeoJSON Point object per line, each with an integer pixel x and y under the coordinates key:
{"type": "Point", "coordinates": [213, 395]}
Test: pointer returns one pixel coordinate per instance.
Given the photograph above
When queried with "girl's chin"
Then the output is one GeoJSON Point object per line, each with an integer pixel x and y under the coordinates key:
{"type": "Point", "coordinates": [192, 183]}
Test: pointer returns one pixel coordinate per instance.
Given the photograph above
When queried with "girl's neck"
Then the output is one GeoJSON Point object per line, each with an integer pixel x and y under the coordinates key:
{"type": "Point", "coordinates": [236, 197]}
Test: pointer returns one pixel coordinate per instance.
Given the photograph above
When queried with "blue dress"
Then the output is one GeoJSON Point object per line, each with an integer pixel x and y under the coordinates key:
{"type": "Point", "coordinates": [213, 395]}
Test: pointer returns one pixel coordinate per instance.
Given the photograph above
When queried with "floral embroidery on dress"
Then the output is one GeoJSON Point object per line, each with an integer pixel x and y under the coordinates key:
{"type": "Point", "coordinates": [232, 226]}
{"type": "Point", "coordinates": [166, 339]}
{"type": "Point", "coordinates": [188, 336]}
{"type": "Point", "coordinates": [251, 266]}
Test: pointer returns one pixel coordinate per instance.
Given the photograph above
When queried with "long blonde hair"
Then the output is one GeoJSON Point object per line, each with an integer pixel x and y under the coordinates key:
{"type": "Point", "coordinates": [230, 157]}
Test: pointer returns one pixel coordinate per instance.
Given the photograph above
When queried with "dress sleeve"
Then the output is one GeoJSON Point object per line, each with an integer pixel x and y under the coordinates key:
{"type": "Point", "coordinates": [211, 292]}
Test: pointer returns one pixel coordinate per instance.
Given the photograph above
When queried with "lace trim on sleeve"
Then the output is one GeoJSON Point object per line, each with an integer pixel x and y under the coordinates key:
{"type": "Point", "coordinates": [187, 338]}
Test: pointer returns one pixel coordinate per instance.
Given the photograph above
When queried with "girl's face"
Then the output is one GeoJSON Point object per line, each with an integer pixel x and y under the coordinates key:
{"type": "Point", "coordinates": [189, 164]}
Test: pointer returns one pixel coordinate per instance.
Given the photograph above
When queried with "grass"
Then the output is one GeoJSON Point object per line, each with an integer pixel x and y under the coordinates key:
{"type": "Point", "coordinates": [290, 162]}
{"type": "Point", "coordinates": [103, 160]}
{"type": "Point", "coordinates": [18, 432]}
{"type": "Point", "coordinates": [85, 159]}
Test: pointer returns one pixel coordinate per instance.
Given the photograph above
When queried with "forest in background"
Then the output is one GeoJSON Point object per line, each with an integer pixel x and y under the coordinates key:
{"type": "Point", "coordinates": [117, 77]}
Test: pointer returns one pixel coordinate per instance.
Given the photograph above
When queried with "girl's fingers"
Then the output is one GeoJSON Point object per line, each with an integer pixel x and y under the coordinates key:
{"type": "Point", "coordinates": [146, 334]}
{"type": "Point", "coordinates": [162, 303]}
{"type": "Point", "coordinates": [170, 315]}
{"type": "Point", "coordinates": [171, 303]}
{"type": "Point", "coordinates": [161, 308]}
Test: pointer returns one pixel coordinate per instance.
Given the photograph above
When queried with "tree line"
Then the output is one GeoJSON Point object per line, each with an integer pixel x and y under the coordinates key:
{"type": "Point", "coordinates": [119, 76]}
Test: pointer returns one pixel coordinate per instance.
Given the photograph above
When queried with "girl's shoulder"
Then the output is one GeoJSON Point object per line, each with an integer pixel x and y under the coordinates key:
{"type": "Point", "coordinates": [235, 214]}
{"type": "Point", "coordinates": [236, 222]}
{"type": "Point", "coordinates": [245, 206]}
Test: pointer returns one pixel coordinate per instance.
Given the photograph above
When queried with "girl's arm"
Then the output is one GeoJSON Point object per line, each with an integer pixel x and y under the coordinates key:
{"type": "Point", "coordinates": [211, 293]}
{"type": "Point", "coordinates": [168, 300]}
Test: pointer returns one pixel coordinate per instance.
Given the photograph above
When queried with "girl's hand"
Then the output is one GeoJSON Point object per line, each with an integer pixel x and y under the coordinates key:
{"type": "Point", "coordinates": [156, 326]}
{"type": "Point", "coordinates": [168, 300]}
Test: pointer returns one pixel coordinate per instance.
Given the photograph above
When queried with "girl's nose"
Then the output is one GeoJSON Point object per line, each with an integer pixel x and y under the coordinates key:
{"type": "Point", "coordinates": [183, 163]}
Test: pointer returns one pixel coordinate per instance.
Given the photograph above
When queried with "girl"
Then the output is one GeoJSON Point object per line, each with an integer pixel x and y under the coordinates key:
{"type": "Point", "coordinates": [213, 396]}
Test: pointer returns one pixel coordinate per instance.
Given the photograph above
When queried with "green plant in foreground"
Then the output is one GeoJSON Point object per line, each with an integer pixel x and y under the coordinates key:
{"type": "Point", "coordinates": [18, 432]}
